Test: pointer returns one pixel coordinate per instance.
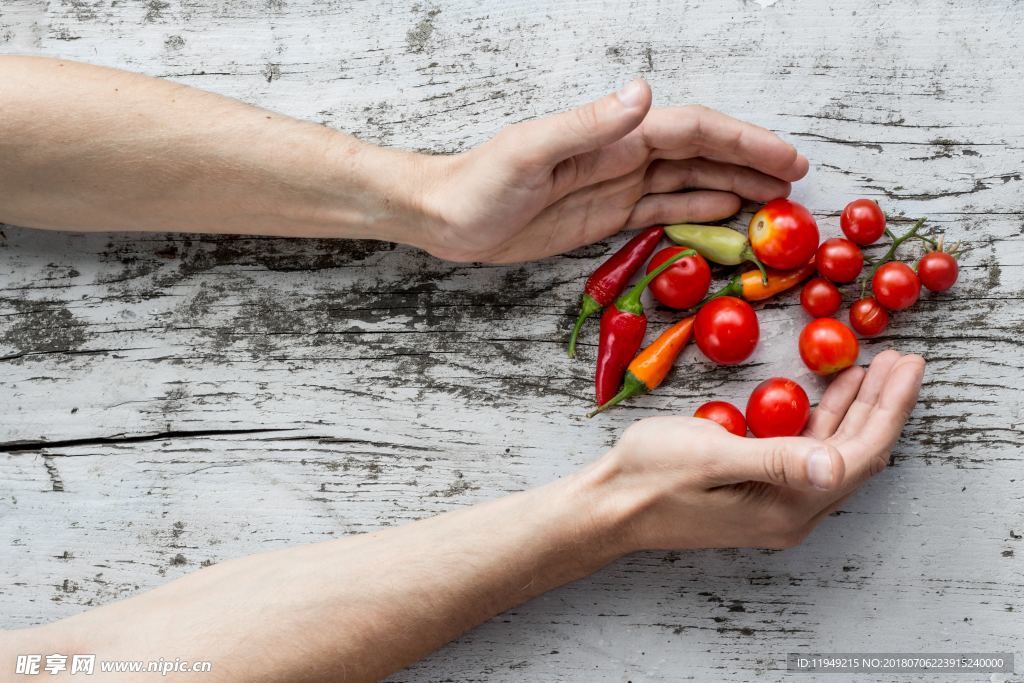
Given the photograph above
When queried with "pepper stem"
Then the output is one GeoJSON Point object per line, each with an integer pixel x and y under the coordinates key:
{"type": "Point", "coordinates": [588, 307]}
{"type": "Point", "coordinates": [730, 289]}
{"type": "Point", "coordinates": [749, 255]}
{"type": "Point", "coordinates": [631, 386]}
{"type": "Point", "coordinates": [630, 301]}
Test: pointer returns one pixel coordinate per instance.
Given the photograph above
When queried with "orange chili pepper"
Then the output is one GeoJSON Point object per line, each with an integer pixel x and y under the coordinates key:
{"type": "Point", "coordinates": [750, 286]}
{"type": "Point", "coordinates": [650, 367]}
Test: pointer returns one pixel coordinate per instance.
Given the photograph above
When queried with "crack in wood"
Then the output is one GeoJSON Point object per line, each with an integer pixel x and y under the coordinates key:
{"type": "Point", "coordinates": [41, 445]}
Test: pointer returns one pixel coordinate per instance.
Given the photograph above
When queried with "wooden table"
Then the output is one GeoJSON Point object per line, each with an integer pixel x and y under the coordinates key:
{"type": "Point", "coordinates": [169, 402]}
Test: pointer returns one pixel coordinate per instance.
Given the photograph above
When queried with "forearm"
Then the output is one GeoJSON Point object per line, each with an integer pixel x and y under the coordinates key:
{"type": "Point", "coordinates": [89, 148]}
{"type": "Point", "coordinates": [364, 606]}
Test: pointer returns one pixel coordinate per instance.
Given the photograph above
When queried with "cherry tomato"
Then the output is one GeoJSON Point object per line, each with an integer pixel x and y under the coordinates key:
{"type": "Point", "coordinates": [937, 270]}
{"type": "Point", "coordinates": [726, 330]}
{"type": "Point", "coordinates": [783, 234]}
{"type": "Point", "coordinates": [868, 317]}
{"type": "Point", "coordinates": [778, 407]}
{"type": "Point", "coordinates": [839, 260]}
{"type": "Point", "coordinates": [828, 346]}
{"type": "Point", "coordinates": [684, 283]}
{"type": "Point", "coordinates": [725, 414]}
{"type": "Point", "coordinates": [820, 298]}
{"type": "Point", "coordinates": [896, 285]}
{"type": "Point", "coordinates": [862, 221]}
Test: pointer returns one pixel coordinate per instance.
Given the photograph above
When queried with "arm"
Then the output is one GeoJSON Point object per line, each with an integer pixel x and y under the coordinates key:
{"type": "Point", "coordinates": [89, 148]}
{"type": "Point", "coordinates": [362, 607]}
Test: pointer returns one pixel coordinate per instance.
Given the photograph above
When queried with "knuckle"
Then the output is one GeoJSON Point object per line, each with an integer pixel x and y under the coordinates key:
{"type": "Point", "coordinates": [879, 463]}
{"type": "Point", "coordinates": [696, 115]}
{"type": "Point", "coordinates": [793, 538]}
{"type": "Point", "coordinates": [631, 435]}
{"type": "Point", "coordinates": [697, 109]}
{"type": "Point", "coordinates": [508, 136]}
{"type": "Point", "coordinates": [636, 434]}
{"type": "Point", "coordinates": [586, 119]}
{"type": "Point", "coordinates": [778, 543]}
{"type": "Point", "coordinates": [788, 537]}
{"type": "Point", "coordinates": [774, 463]}
{"type": "Point", "coordinates": [509, 143]}
{"type": "Point", "coordinates": [709, 469]}
{"type": "Point", "coordinates": [737, 139]}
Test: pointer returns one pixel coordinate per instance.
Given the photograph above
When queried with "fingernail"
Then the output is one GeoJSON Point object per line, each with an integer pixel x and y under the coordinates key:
{"type": "Point", "coordinates": [819, 468]}
{"type": "Point", "coordinates": [632, 94]}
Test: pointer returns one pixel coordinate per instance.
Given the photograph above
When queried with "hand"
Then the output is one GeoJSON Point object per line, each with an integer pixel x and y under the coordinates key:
{"type": "Point", "coordinates": [688, 483]}
{"type": "Point", "coordinates": [551, 185]}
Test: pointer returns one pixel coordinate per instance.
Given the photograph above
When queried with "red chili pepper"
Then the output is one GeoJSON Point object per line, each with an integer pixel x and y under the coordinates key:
{"type": "Point", "coordinates": [648, 370]}
{"type": "Point", "coordinates": [611, 277]}
{"type": "Point", "coordinates": [622, 332]}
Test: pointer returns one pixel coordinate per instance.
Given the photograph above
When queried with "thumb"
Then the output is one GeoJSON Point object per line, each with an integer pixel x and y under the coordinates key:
{"type": "Point", "coordinates": [555, 138]}
{"type": "Point", "coordinates": [794, 462]}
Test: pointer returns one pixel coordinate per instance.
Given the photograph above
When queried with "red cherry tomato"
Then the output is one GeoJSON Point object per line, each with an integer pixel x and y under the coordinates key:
{"type": "Point", "coordinates": [820, 298]}
{"type": "Point", "coordinates": [828, 346]}
{"type": "Point", "coordinates": [862, 221]}
{"type": "Point", "coordinates": [777, 407]}
{"type": "Point", "coordinates": [783, 234]}
{"type": "Point", "coordinates": [896, 285]}
{"type": "Point", "coordinates": [684, 283]}
{"type": "Point", "coordinates": [725, 414]}
{"type": "Point", "coordinates": [868, 317]}
{"type": "Point", "coordinates": [839, 260]}
{"type": "Point", "coordinates": [726, 330]}
{"type": "Point", "coordinates": [937, 271]}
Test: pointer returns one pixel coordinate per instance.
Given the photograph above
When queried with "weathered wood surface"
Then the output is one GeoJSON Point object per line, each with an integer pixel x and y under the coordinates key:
{"type": "Point", "coordinates": [392, 386]}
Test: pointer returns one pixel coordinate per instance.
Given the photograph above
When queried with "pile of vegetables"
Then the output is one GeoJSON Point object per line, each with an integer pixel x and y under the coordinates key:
{"type": "Point", "coordinates": [782, 244]}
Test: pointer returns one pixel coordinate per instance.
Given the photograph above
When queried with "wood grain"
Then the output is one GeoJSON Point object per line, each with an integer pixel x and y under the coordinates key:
{"type": "Point", "coordinates": [171, 401]}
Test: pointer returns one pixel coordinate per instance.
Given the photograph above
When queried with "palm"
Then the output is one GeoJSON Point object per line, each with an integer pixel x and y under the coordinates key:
{"type": "Point", "coordinates": [861, 415]}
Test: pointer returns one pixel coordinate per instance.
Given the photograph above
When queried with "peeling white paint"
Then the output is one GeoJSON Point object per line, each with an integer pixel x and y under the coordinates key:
{"type": "Point", "coordinates": [457, 392]}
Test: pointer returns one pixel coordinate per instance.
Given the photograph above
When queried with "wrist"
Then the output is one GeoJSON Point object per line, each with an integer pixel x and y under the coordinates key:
{"type": "Point", "coordinates": [606, 514]}
{"type": "Point", "coordinates": [383, 194]}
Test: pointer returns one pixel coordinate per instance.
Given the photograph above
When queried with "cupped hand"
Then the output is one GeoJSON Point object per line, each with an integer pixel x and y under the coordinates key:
{"type": "Point", "coordinates": [550, 185]}
{"type": "Point", "coordinates": [688, 483]}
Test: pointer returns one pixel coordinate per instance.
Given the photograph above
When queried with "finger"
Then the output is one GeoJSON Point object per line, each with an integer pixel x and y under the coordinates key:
{"type": "Point", "coordinates": [838, 398]}
{"type": "Point", "coordinates": [683, 207]}
{"type": "Point", "coordinates": [550, 140]}
{"type": "Point", "coordinates": [885, 423]}
{"type": "Point", "coordinates": [870, 389]}
{"type": "Point", "coordinates": [667, 175]}
{"type": "Point", "coordinates": [794, 462]}
{"type": "Point", "coordinates": [683, 132]}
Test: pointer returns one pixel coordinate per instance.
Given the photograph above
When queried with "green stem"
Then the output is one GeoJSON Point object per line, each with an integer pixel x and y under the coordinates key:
{"type": "Point", "coordinates": [733, 288]}
{"type": "Point", "coordinates": [631, 386]}
{"type": "Point", "coordinates": [896, 242]}
{"type": "Point", "coordinates": [748, 254]}
{"type": "Point", "coordinates": [630, 301]}
{"type": "Point", "coordinates": [588, 307]}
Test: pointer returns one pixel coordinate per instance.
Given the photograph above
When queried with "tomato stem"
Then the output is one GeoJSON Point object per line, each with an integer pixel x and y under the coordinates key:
{"type": "Point", "coordinates": [896, 242]}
